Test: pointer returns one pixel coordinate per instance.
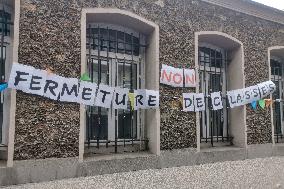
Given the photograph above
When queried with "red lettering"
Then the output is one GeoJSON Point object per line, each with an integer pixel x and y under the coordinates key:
{"type": "Point", "coordinates": [180, 78]}
{"type": "Point", "coordinates": [189, 79]}
{"type": "Point", "coordinates": [165, 75]}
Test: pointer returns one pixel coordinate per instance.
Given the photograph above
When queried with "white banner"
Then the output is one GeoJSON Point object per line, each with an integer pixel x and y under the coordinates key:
{"type": "Point", "coordinates": [31, 80]}
{"type": "Point", "coordinates": [216, 99]}
{"type": "Point", "coordinates": [247, 95]}
{"type": "Point", "coordinates": [39, 82]}
{"type": "Point", "coordinates": [120, 98]}
{"type": "Point", "coordinates": [239, 97]}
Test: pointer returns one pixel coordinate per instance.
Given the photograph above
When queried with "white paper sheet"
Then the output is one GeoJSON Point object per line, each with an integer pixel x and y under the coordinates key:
{"type": "Point", "coordinates": [189, 77]}
{"type": "Point", "coordinates": [120, 98]}
{"type": "Point", "coordinates": [188, 102]}
{"type": "Point", "coordinates": [87, 93]}
{"type": "Point", "coordinates": [70, 90]}
{"type": "Point", "coordinates": [199, 102]}
{"type": "Point", "coordinates": [53, 86]}
{"type": "Point", "coordinates": [255, 93]}
{"type": "Point", "coordinates": [216, 99]}
{"type": "Point", "coordinates": [140, 99]}
{"type": "Point", "coordinates": [20, 77]}
{"type": "Point", "coordinates": [231, 98]}
{"type": "Point", "coordinates": [152, 99]}
{"type": "Point", "coordinates": [104, 96]}
{"type": "Point", "coordinates": [171, 76]}
{"type": "Point", "coordinates": [38, 80]}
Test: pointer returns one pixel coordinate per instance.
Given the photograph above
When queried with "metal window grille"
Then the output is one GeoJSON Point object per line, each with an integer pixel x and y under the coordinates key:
{"type": "Point", "coordinates": [116, 58]}
{"type": "Point", "coordinates": [5, 30]}
{"type": "Point", "coordinates": [277, 78]}
{"type": "Point", "coordinates": [212, 76]}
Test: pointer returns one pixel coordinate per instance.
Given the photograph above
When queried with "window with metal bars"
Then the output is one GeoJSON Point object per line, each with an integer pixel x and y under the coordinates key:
{"type": "Point", "coordinates": [5, 32]}
{"type": "Point", "coordinates": [277, 78]}
{"type": "Point", "coordinates": [214, 124]}
{"type": "Point", "coordinates": [115, 56]}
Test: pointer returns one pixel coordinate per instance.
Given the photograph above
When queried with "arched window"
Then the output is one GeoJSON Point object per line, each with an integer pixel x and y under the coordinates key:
{"type": "Point", "coordinates": [119, 49]}
{"type": "Point", "coordinates": [213, 78]}
{"type": "Point", "coordinates": [220, 65]}
{"type": "Point", "coordinates": [116, 57]}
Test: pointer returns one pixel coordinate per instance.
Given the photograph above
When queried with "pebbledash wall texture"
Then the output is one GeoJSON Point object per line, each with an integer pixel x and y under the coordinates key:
{"type": "Point", "coordinates": [50, 36]}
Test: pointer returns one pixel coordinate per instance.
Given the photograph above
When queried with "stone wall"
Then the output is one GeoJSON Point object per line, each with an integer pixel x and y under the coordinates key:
{"type": "Point", "coordinates": [50, 37]}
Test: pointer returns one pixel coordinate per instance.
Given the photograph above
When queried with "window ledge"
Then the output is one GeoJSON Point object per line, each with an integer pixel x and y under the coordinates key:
{"type": "Point", "coordinates": [3, 147]}
{"type": "Point", "coordinates": [119, 156]}
{"type": "Point", "coordinates": [279, 144]}
{"type": "Point", "coordinates": [221, 149]}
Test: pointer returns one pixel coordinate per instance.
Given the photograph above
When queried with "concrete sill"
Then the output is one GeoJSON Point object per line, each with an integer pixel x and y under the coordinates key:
{"type": "Point", "coordinates": [279, 144]}
{"type": "Point", "coordinates": [3, 147]}
{"type": "Point", "coordinates": [118, 156]}
{"type": "Point", "coordinates": [3, 164]}
{"type": "Point", "coordinates": [221, 149]}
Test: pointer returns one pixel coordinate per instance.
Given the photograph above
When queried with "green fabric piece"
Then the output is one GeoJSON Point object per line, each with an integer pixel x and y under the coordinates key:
{"type": "Point", "coordinates": [85, 77]}
{"type": "Point", "coordinates": [261, 103]}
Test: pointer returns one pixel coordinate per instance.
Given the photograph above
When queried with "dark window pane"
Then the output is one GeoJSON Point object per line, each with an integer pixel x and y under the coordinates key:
{"type": "Point", "coordinates": [275, 67]}
{"type": "Point", "coordinates": [95, 44]}
{"type": "Point", "coordinates": [136, 50]}
{"type": "Point", "coordinates": [104, 45]}
{"type": "Point", "coordinates": [95, 32]}
{"type": "Point", "coordinates": [120, 48]}
{"type": "Point", "coordinates": [218, 55]}
{"type": "Point", "coordinates": [126, 129]}
{"type": "Point", "coordinates": [5, 19]}
{"type": "Point", "coordinates": [120, 36]}
{"type": "Point", "coordinates": [135, 40]}
{"type": "Point", "coordinates": [114, 41]}
{"type": "Point", "coordinates": [128, 38]}
{"type": "Point", "coordinates": [112, 46]}
{"type": "Point", "coordinates": [112, 35]}
{"type": "Point", "coordinates": [104, 34]}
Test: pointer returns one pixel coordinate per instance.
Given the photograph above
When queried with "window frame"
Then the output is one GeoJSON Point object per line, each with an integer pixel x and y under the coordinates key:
{"type": "Point", "coordinates": [8, 55]}
{"type": "Point", "coordinates": [235, 49]}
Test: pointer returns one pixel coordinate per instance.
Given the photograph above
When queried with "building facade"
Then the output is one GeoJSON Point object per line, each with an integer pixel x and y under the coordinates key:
{"type": "Point", "coordinates": [231, 45]}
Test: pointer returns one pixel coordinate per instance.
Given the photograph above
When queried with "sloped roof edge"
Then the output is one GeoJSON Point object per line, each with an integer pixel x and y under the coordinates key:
{"type": "Point", "coordinates": [251, 8]}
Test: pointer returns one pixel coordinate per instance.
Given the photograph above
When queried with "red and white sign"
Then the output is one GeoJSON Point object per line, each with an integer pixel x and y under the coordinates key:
{"type": "Point", "coordinates": [177, 77]}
